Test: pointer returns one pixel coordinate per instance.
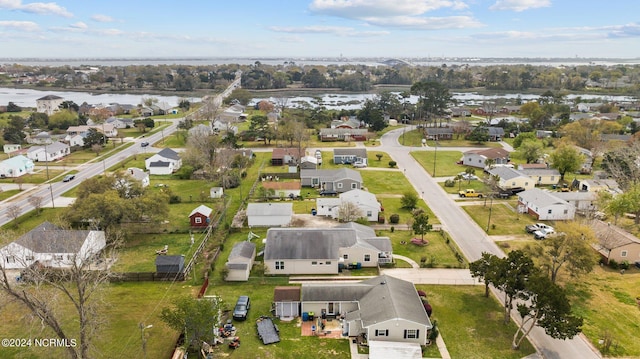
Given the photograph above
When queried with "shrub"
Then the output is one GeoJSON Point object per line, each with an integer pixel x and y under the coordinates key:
{"type": "Point", "coordinates": [394, 218]}
{"type": "Point", "coordinates": [392, 229]}
{"type": "Point", "coordinates": [175, 199]}
{"type": "Point", "coordinates": [613, 264]}
{"type": "Point", "coordinates": [624, 265]}
{"type": "Point", "coordinates": [449, 183]}
{"type": "Point", "coordinates": [392, 164]}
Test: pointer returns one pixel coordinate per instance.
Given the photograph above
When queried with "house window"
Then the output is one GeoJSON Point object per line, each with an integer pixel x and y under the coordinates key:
{"type": "Point", "coordinates": [367, 257]}
{"type": "Point", "coordinates": [566, 211]}
{"type": "Point", "coordinates": [369, 213]}
{"type": "Point", "coordinates": [29, 258]}
{"type": "Point", "coordinates": [354, 186]}
{"type": "Point", "coordinates": [11, 259]}
{"type": "Point", "coordinates": [526, 184]}
{"type": "Point", "coordinates": [328, 263]}
{"type": "Point", "coordinates": [549, 211]}
{"type": "Point", "coordinates": [552, 178]}
{"type": "Point", "coordinates": [198, 220]}
{"type": "Point", "coordinates": [339, 185]}
{"type": "Point", "coordinates": [623, 253]}
{"type": "Point", "coordinates": [345, 256]}
{"type": "Point", "coordinates": [279, 265]}
{"type": "Point", "coordinates": [314, 263]}
{"type": "Point", "coordinates": [58, 257]}
{"type": "Point", "coordinates": [382, 332]}
{"type": "Point", "coordinates": [411, 333]}
{"type": "Point", "coordinates": [315, 181]}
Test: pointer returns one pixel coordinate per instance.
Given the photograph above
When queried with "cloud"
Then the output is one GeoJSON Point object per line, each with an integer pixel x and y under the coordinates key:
{"type": "Point", "coordinates": [427, 23]}
{"type": "Point", "coordinates": [20, 25]}
{"type": "Point", "coordinates": [519, 5]}
{"type": "Point", "coordinates": [79, 25]}
{"type": "Point", "coordinates": [335, 30]}
{"type": "Point", "coordinates": [40, 8]}
{"type": "Point", "coordinates": [102, 18]}
{"type": "Point", "coordinates": [629, 30]}
{"type": "Point", "coordinates": [357, 9]}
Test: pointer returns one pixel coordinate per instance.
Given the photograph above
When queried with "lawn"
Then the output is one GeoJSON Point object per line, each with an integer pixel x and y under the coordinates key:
{"type": "Point", "coordinates": [139, 254]}
{"type": "Point", "coordinates": [38, 176]}
{"type": "Point", "coordinates": [504, 218]}
{"type": "Point", "coordinates": [471, 325]}
{"type": "Point", "coordinates": [445, 162]}
{"type": "Point", "coordinates": [436, 254]}
{"type": "Point", "coordinates": [387, 182]}
{"type": "Point", "coordinates": [10, 193]}
{"type": "Point", "coordinates": [393, 205]}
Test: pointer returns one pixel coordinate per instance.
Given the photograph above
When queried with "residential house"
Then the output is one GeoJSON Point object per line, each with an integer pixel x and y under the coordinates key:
{"type": "Point", "coordinates": [365, 201]}
{"type": "Point", "coordinates": [120, 123]}
{"type": "Point", "coordinates": [139, 175]}
{"type": "Point", "coordinates": [438, 133]}
{"type": "Point", "coordinates": [510, 110]}
{"type": "Point", "coordinates": [200, 130]}
{"type": "Point", "coordinates": [284, 156]}
{"type": "Point", "coordinates": [289, 189]}
{"type": "Point", "coordinates": [286, 301]}
{"type": "Point", "coordinates": [16, 166]}
{"type": "Point", "coordinates": [543, 134]}
{"type": "Point", "coordinates": [200, 217]}
{"type": "Point", "coordinates": [584, 202]}
{"type": "Point", "coordinates": [48, 153]}
{"type": "Point", "coordinates": [77, 134]}
{"type": "Point", "coordinates": [544, 205]}
{"type": "Point", "coordinates": [324, 250]}
{"type": "Point", "coordinates": [381, 309]}
{"type": "Point", "coordinates": [52, 246]}
{"type": "Point", "coordinates": [495, 133]}
{"type": "Point", "coordinates": [478, 158]}
{"type": "Point", "coordinates": [240, 261]}
{"type": "Point", "coordinates": [234, 113]}
{"type": "Point", "coordinates": [219, 126]}
{"type": "Point", "coordinates": [9, 147]}
{"type": "Point", "coordinates": [332, 181]}
{"type": "Point", "coordinates": [512, 178]}
{"type": "Point", "coordinates": [346, 122]}
{"type": "Point", "coordinates": [528, 166]}
{"type": "Point", "coordinates": [216, 192]}
{"type": "Point", "coordinates": [164, 162]}
{"type": "Point", "coordinates": [343, 134]}
{"type": "Point", "coordinates": [460, 112]}
{"type": "Point", "coordinates": [309, 163]}
{"type": "Point", "coordinates": [349, 155]}
{"type": "Point", "coordinates": [614, 243]}
{"type": "Point", "coordinates": [598, 185]}
{"type": "Point", "coordinates": [269, 214]}
{"type": "Point", "coordinates": [49, 104]}
{"type": "Point", "coordinates": [542, 176]}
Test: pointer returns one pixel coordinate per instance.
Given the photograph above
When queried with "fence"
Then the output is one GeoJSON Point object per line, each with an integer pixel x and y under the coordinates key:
{"type": "Point", "coordinates": [147, 277]}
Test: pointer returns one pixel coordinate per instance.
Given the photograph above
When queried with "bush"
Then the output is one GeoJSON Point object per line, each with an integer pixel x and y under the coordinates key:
{"type": "Point", "coordinates": [174, 199]}
{"type": "Point", "coordinates": [449, 183]}
{"type": "Point", "coordinates": [392, 229]}
{"type": "Point", "coordinates": [624, 265]}
{"type": "Point", "coordinates": [613, 264]}
{"type": "Point", "coordinates": [394, 218]}
{"type": "Point", "coordinates": [392, 164]}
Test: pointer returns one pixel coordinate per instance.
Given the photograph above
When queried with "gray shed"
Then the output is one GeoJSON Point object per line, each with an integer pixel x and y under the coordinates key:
{"type": "Point", "coordinates": [169, 264]}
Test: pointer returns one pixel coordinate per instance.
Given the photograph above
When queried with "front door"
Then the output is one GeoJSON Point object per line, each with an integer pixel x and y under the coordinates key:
{"type": "Point", "coordinates": [330, 309]}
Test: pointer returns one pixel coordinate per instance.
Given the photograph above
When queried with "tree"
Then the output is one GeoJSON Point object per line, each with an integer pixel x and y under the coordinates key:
{"type": "Point", "coordinates": [627, 202]}
{"type": "Point", "coordinates": [349, 212]}
{"type": "Point", "coordinates": [510, 276]}
{"type": "Point", "coordinates": [241, 95]}
{"type": "Point", "coordinates": [433, 99]}
{"type": "Point", "coordinates": [421, 224]}
{"type": "Point", "coordinates": [93, 138]}
{"type": "Point", "coordinates": [36, 202]}
{"type": "Point", "coordinates": [75, 287]}
{"type": "Point", "coordinates": [259, 127]}
{"type": "Point", "coordinates": [196, 318]}
{"type": "Point", "coordinates": [63, 119]}
{"type": "Point", "coordinates": [12, 107]}
{"type": "Point", "coordinates": [530, 150]}
{"type": "Point", "coordinates": [409, 200]}
{"type": "Point", "coordinates": [622, 164]}
{"type": "Point", "coordinates": [372, 115]}
{"type": "Point", "coordinates": [479, 135]}
{"type": "Point", "coordinates": [566, 158]}
{"type": "Point", "coordinates": [14, 212]}
{"type": "Point", "coordinates": [568, 251]}
{"type": "Point", "coordinates": [545, 304]}
{"type": "Point", "coordinates": [523, 136]}
{"type": "Point", "coordinates": [481, 269]}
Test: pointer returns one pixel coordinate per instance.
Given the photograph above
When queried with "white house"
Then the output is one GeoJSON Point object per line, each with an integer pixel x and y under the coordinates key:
{"type": "Point", "coordinates": [164, 162]}
{"type": "Point", "coordinates": [289, 189]}
{"type": "Point", "coordinates": [582, 201]}
{"type": "Point", "coordinates": [16, 166]}
{"type": "Point", "coordinates": [76, 134]}
{"type": "Point", "coordinates": [52, 246]}
{"type": "Point", "coordinates": [269, 214]}
{"type": "Point", "coordinates": [240, 261]}
{"type": "Point", "coordinates": [365, 201]}
{"type": "Point", "coordinates": [381, 309]}
{"type": "Point", "coordinates": [478, 158]}
{"type": "Point", "coordinates": [139, 175]}
{"type": "Point", "coordinates": [324, 250]}
{"type": "Point", "coordinates": [544, 205]}
{"type": "Point", "coordinates": [49, 104]}
{"type": "Point", "coordinates": [200, 130]}
{"type": "Point", "coordinates": [9, 147]}
{"type": "Point", "coordinates": [216, 192]}
{"type": "Point", "coordinates": [48, 153]}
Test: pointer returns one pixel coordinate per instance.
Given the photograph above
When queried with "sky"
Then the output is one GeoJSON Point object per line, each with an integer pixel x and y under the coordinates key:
{"type": "Point", "coordinates": [320, 28]}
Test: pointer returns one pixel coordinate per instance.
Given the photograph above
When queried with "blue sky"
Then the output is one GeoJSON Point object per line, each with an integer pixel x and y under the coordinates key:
{"type": "Point", "coordinates": [319, 28]}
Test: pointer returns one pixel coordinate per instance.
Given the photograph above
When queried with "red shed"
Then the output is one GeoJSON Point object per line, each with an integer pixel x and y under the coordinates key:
{"type": "Point", "coordinates": [200, 217]}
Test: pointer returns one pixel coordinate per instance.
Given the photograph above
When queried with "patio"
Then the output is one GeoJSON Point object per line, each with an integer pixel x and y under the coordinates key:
{"type": "Point", "coordinates": [332, 328]}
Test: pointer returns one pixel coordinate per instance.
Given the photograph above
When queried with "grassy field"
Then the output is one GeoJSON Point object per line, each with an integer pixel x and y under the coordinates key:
{"type": "Point", "coordinates": [504, 218]}
{"type": "Point", "coordinates": [437, 253]}
{"type": "Point", "coordinates": [445, 162]}
{"type": "Point", "coordinates": [471, 325]}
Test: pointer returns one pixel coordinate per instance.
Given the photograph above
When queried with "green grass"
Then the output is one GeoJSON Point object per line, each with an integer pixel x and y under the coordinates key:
{"type": "Point", "coordinates": [386, 182]}
{"type": "Point", "coordinates": [372, 160]}
{"type": "Point", "coordinates": [393, 205]}
{"type": "Point", "coordinates": [445, 162]}
{"type": "Point", "coordinates": [504, 218]}
{"type": "Point", "coordinates": [140, 252]}
{"type": "Point", "coordinates": [471, 325]}
{"type": "Point", "coordinates": [10, 193]}
{"type": "Point", "coordinates": [437, 252]}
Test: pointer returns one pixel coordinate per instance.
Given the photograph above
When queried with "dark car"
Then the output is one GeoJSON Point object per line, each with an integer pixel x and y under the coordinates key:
{"type": "Point", "coordinates": [144, 144]}
{"type": "Point", "coordinates": [242, 308]}
{"type": "Point", "coordinates": [328, 193]}
{"type": "Point", "coordinates": [68, 178]}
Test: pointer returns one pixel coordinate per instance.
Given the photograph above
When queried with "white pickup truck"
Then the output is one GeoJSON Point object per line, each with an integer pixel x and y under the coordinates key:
{"type": "Point", "coordinates": [537, 226]}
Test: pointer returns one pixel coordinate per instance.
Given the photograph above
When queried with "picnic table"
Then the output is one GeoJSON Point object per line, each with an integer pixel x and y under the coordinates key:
{"type": "Point", "coordinates": [267, 330]}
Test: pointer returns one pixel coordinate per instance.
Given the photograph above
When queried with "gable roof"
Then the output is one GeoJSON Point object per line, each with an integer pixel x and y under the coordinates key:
{"type": "Point", "coordinates": [506, 173]}
{"type": "Point", "coordinates": [270, 209]}
{"type": "Point", "coordinates": [242, 249]}
{"type": "Point", "coordinates": [159, 164]}
{"type": "Point", "coordinates": [49, 238]}
{"type": "Point", "coordinates": [360, 197]}
{"type": "Point", "coordinates": [281, 185]}
{"type": "Point", "coordinates": [490, 153]}
{"type": "Point", "coordinates": [332, 175]}
{"type": "Point", "coordinates": [286, 294]}
{"type": "Point", "coordinates": [169, 153]}
{"type": "Point", "coordinates": [438, 130]}
{"type": "Point", "coordinates": [49, 97]}
{"type": "Point", "coordinates": [281, 152]}
{"type": "Point", "coordinates": [358, 152]}
{"type": "Point", "coordinates": [540, 198]}
{"type": "Point", "coordinates": [202, 209]}
{"type": "Point", "coordinates": [613, 235]}
{"type": "Point", "coordinates": [540, 172]}
{"type": "Point", "coordinates": [17, 161]}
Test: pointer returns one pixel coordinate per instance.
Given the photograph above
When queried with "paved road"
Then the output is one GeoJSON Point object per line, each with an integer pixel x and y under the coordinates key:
{"type": "Point", "coordinates": [471, 239]}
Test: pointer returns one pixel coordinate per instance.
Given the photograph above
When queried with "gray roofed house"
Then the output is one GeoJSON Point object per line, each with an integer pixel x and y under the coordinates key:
{"type": "Point", "coordinates": [439, 133]}
{"type": "Point", "coordinates": [336, 181]}
{"type": "Point", "coordinates": [615, 243]}
{"type": "Point", "coordinates": [511, 178]}
{"type": "Point", "coordinates": [156, 163]}
{"type": "Point", "coordinates": [240, 261]}
{"type": "Point", "coordinates": [349, 155]}
{"type": "Point", "coordinates": [542, 176]}
{"type": "Point", "coordinates": [269, 214]}
{"type": "Point", "coordinates": [52, 246]}
{"type": "Point", "coordinates": [323, 250]}
{"type": "Point", "coordinates": [477, 158]}
{"type": "Point", "coordinates": [383, 308]}
{"type": "Point", "coordinates": [544, 205]}
{"type": "Point", "coordinates": [343, 134]}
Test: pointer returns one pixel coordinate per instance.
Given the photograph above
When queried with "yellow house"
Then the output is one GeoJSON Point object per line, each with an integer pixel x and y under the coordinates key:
{"type": "Point", "coordinates": [614, 243]}
{"type": "Point", "coordinates": [543, 177]}
{"type": "Point", "coordinates": [512, 178]}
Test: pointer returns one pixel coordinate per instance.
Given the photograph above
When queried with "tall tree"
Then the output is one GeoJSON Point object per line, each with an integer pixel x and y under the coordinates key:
{"type": "Point", "coordinates": [510, 276]}
{"type": "Point", "coordinates": [349, 212]}
{"type": "Point", "coordinates": [196, 318]}
{"type": "Point", "coordinates": [372, 115]}
{"type": "Point", "coordinates": [259, 127]}
{"type": "Point", "coordinates": [433, 99]}
{"type": "Point", "coordinates": [421, 224]}
{"type": "Point", "coordinates": [622, 164]}
{"type": "Point", "coordinates": [482, 268]}
{"type": "Point", "coordinates": [530, 150]}
{"type": "Point", "coordinates": [566, 158]}
{"type": "Point", "coordinates": [545, 304]}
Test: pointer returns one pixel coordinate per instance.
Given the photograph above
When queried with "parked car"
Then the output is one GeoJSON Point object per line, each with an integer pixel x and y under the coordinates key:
{"type": "Point", "coordinates": [536, 227]}
{"type": "Point", "coordinates": [359, 164]}
{"type": "Point", "coordinates": [242, 308]}
{"type": "Point", "coordinates": [328, 193]}
{"type": "Point", "coordinates": [543, 233]}
{"type": "Point", "coordinates": [468, 176]}
{"type": "Point", "coordinates": [144, 144]}
{"type": "Point", "coordinates": [68, 178]}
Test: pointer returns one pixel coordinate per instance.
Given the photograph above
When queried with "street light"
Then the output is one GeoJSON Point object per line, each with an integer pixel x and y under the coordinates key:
{"type": "Point", "coordinates": [435, 154]}
{"type": "Point", "coordinates": [490, 206]}
{"type": "Point", "coordinates": [144, 339]}
{"type": "Point", "coordinates": [46, 159]}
